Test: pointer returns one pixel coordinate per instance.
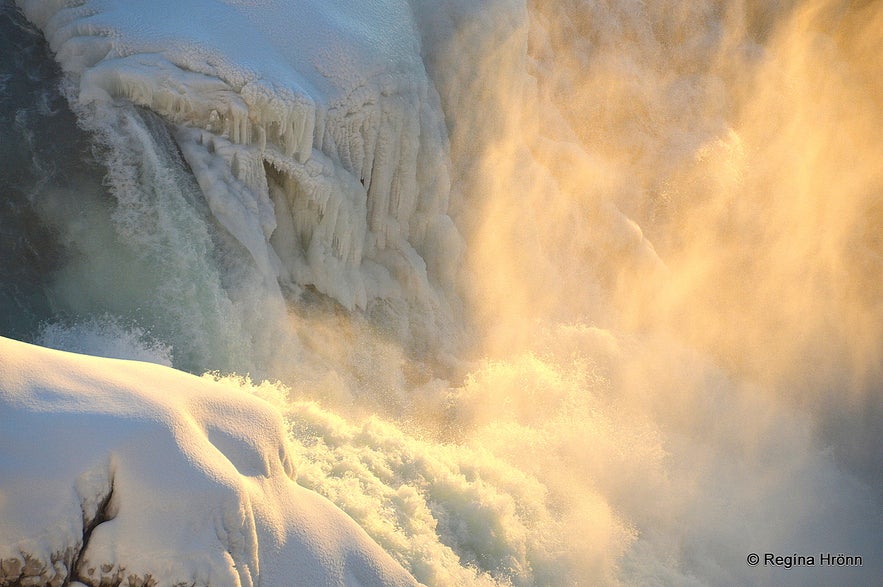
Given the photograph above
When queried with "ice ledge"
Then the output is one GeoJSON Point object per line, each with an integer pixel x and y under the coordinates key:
{"type": "Point", "coordinates": [318, 140]}
{"type": "Point", "coordinates": [117, 472]}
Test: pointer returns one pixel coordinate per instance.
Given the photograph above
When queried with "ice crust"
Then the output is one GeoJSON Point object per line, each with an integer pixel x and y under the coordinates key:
{"type": "Point", "coordinates": [118, 470]}
{"type": "Point", "coordinates": [312, 128]}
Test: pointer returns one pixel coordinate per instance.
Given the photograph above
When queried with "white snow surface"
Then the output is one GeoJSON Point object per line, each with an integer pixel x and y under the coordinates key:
{"type": "Point", "coordinates": [312, 128]}
{"type": "Point", "coordinates": [181, 480]}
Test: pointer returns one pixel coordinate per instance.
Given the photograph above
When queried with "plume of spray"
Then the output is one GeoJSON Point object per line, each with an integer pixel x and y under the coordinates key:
{"type": "Point", "coordinates": [672, 217]}
{"type": "Point", "coordinates": [769, 225]}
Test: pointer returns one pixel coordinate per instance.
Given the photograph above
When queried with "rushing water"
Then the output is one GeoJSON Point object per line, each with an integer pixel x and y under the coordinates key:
{"type": "Point", "coordinates": [662, 349]}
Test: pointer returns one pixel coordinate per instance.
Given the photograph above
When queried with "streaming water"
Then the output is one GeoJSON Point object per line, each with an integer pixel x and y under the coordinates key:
{"type": "Point", "coordinates": [111, 246]}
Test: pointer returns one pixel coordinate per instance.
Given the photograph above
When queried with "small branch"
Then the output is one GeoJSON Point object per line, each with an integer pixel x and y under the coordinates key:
{"type": "Point", "coordinates": [101, 516]}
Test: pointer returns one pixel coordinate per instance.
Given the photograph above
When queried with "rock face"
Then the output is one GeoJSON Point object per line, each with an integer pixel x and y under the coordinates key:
{"type": "Point", "coordinates": [122, 473]}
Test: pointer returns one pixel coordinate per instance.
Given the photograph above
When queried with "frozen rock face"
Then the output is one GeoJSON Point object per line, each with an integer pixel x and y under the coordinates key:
{"type": "Point", "coordinates": [122, 472]}
{"type": "Point", "coordinates": [311, 127]}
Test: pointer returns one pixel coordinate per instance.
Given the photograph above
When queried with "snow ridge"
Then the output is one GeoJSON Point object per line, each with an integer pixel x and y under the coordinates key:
{"type": "Point", "coordinates": [211, 502]}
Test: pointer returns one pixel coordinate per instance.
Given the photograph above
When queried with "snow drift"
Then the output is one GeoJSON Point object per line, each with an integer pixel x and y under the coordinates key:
{"type": "Point", "coordinates": [116, 471]}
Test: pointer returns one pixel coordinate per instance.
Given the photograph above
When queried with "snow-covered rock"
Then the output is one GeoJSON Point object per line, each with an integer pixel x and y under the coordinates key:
{"type": "Point", "coordinates": [117, 472]}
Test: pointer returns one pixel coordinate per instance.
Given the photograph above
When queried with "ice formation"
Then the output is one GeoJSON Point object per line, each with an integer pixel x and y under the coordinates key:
{"type": "Point", "coordinates": [311, 128]}
{"type": "Point", "coordinates": [117, 471]}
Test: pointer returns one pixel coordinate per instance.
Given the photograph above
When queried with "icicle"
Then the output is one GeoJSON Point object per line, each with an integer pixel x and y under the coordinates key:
{"type": "Point", "coordinates": [262, 137]}
{"type": "Point", "coordinates": [306, 136]}
{"type": "Point", "coordinates": [235, 166]}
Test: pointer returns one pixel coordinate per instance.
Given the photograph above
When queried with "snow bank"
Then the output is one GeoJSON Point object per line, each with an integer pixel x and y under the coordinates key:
{"type": "Point", "coordinates": [117, 471]}
{"type": "Point", "coordinates": [312, 128]}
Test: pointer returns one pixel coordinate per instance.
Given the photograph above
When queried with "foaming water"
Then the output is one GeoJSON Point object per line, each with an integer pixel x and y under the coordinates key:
{"type": "Point", "coordinates": [597, 460]}
{"type": "Point", "coordinates": [670, 292]}
{"type": "Point", "coordinates": [105, 338]}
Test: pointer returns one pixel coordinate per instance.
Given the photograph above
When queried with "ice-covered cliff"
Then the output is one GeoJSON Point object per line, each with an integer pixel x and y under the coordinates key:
{"type": "Point", "coordinates": [312, 129]}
